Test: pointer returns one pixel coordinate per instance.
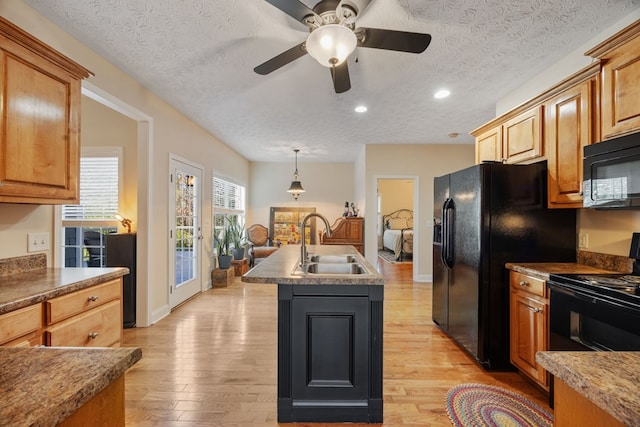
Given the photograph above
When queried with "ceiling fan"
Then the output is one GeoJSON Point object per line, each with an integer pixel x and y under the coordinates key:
{"type": "Point", "coordinates": [334, 36]}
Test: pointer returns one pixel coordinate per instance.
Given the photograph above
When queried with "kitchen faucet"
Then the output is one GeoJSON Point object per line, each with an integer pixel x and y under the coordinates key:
{"type": "Point", "coordinates": [303, 245]}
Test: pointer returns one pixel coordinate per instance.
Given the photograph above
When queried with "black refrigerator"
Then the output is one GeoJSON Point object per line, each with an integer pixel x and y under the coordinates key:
{"type": "Point", "coordinates": [485, 216]}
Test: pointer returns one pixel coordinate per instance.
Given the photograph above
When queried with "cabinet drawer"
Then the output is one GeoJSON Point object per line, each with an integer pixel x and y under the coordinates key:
{"type": "Point", "coordinates": [527, 283]}
{"type": "Point", "coordinates": [100, 327]}
{"type": "Point", "coordinates": [20, 322]}
{"type": "Point", "coordinates": [63, 307]}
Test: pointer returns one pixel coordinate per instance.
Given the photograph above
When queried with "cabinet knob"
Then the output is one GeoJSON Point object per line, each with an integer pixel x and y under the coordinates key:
{"type": "Point", "coordinates": [92, 298]}
{"type": "Point", "coordinates": [93, 335]}
{"type": "Point", "coordinates": [535, 310]}
{"type": "Point", "coordinates": [523, 283]}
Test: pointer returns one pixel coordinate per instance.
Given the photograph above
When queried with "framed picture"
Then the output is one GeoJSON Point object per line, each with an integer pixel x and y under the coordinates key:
{"type": "Point", "coordinates": [284, 225]}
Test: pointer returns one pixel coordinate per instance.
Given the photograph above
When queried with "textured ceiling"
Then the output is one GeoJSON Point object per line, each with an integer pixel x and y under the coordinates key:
{"type": "Point", "coordinates": [199, 56]}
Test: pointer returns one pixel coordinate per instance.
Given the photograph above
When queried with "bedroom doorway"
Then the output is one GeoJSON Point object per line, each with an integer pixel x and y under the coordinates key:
{"type": "Point", "coordinates": [395, 214]}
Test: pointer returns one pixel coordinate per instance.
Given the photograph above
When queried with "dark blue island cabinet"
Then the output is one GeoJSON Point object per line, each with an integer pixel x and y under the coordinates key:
{"type": "Point", "coordinates": [330, 353]}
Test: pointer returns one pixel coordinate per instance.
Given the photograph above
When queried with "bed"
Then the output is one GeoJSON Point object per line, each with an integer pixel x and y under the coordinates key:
{"type": "Point", "coordinates": [397, 234]}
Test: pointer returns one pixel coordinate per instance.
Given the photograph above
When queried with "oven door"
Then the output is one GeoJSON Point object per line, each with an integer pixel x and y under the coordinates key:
{"type": "Point", "coordinates": [580, 320]}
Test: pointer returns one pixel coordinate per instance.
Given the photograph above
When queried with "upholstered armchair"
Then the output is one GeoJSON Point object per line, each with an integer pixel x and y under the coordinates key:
{"type": "Point", "coordinates": [260, 245]}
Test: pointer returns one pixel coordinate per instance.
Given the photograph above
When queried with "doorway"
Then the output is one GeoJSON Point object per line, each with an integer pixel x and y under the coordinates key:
{"type": "Point", "coordinates": [185, 233]}
{"type": "Point", "coordinates": [393, 193]}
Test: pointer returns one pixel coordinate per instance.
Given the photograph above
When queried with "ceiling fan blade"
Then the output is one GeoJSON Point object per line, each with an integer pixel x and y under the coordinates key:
{"type": "Point", "coordinates": [340, 77]}
{"type": "Point", "coordinates": [402, 41]}
{"type": "Point", "coordinates": [281, 60]}
{"type": "Point", "coordinates": [293, 8]}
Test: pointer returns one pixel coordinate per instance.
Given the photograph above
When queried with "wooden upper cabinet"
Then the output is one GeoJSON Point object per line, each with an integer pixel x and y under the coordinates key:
{"type": "Point", "coordinates": [522, 136]}
{"type": "Point", "coordinates": [39, 120]}
{"type": "Point", "coordinates": [516, 138]}
{"type": "Point", "coordinates": [489, 145]}
{"type": "Point", "coordinates": [620, 55]}
{"type": "Point", "coordinates": [568, 128]}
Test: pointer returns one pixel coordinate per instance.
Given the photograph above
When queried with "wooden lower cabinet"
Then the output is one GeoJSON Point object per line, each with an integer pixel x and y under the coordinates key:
{"type": "Point", "coordinates": [528, 325]}
{"type": "Point", "coordinates": [99, 327]}
{"type": "Point", "coordinates": [104, 409]}
{"type": "Point", "coordinates": [572, 409]}
{"type": "Point", "coordinates": [22, 328]}
{"type": "Point", "coordinates": [91, 317]}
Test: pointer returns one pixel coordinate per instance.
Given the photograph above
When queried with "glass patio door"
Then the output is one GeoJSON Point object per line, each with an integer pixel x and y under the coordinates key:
{"type": "Point", "coordinates": [185, 235]}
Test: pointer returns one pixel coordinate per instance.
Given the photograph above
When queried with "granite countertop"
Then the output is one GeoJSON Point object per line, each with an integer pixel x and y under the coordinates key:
{"type": "Point", "coordinates": [34, 286]}
{"type": "Point", "coordinates": [42, 386]}
{"type": "Point", "coordinates": [278, 268]}
{"type": "Point", "coordinates": [542, 270]}
{"type": "Point", "coordinates": [609, 379]}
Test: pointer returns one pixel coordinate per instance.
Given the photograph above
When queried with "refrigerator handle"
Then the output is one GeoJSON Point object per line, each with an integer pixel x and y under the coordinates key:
{"type": "Point", "coordinates": [447, 233]}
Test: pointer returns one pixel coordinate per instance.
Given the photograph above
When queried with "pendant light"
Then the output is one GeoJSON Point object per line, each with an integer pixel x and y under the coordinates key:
{"type": "Point", "coordinates": [296, 187]}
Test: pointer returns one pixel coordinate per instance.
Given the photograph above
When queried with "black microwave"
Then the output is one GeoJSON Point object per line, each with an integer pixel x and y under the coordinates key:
{"type": "Point", "coordinates": [612, 173]}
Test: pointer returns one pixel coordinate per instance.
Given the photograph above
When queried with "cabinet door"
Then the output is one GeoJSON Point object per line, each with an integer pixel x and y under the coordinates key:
{"type": "Point", "coordinates": [522, 136]}
{"type": "Point", "coordinates": [39, 125]}
{"type": "Point", "coordinates": [528, 335]}
{"type": "Point", "coordinates": [489, 146]}
{"type": "Point", "coordinates": [100, 327]}
{"type": "Point", "coordinates": [21, 327]}
{"type": "Point", "coordinates": [621, 90]}
{"type": "Point", "coordinates": [568, 128]}
{"type": "Point", "coordinates": [330, 349]}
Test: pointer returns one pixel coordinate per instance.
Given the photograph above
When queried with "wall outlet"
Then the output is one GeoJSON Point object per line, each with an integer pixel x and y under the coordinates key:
{"type": "Point", "coordinates": [583, 240]}
{"type": "Point", "coordinates": [37, 242]}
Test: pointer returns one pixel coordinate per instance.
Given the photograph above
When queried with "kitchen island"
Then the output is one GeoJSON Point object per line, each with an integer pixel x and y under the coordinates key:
{"type": "Point", "coordinates": [594, 388]}
{"type": "Point", "coordinates": [329, 337]}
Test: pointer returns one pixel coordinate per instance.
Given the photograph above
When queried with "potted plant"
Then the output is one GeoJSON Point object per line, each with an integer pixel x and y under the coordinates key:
{"type": "Point", "coordinates": [238, 239]}
{"type": "Point", "coordinates": [222, 240]}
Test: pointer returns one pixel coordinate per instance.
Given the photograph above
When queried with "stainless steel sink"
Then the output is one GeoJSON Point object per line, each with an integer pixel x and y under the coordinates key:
{"type": "Point", "coordinates": [333, 259]}
{"type": "Point", "coordinates": [334, 268]}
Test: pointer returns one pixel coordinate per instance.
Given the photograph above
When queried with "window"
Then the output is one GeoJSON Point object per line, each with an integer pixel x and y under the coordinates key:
{"type": "Point", "coordinates": [85, 225]}
{"type": "Point", "coordinates": [228, 204]}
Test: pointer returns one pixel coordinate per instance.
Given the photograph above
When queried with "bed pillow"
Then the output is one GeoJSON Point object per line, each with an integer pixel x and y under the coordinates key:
{"type": "Point", "coordinates": [396, 223]}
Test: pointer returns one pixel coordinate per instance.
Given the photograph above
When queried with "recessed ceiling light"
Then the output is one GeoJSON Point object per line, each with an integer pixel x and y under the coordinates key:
{"type": "Point", "coordinates": [360, 109]}
{"type": "Point", "coordinates": [441, 94]}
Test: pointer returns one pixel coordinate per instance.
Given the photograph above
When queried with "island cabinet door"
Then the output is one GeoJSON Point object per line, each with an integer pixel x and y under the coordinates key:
{"type": "Point", "coordinates": [330, 344]}
{"type": "Point", "coordinates": [330, 353]}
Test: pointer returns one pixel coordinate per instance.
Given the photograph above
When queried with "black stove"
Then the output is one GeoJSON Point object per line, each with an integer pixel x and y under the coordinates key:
{"type": "Point", "coordinates": [622, 287]}
{"type": "Point", "coordinates": [596, 311]}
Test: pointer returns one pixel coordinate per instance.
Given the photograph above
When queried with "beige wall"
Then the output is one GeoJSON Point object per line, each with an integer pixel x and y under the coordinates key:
{"type": "Point", "coordinates": [395, 194]}
{"type": "Point", "coordinates": [421, 163]}
{"type": "Point", "coordinates": [161, 131]}
{"type": "Point", "coordinates": [104, 127]}
{"type": "Point", "coordinates": [327, 186]}
{"type": "Point", "coordinates": [16, 220]}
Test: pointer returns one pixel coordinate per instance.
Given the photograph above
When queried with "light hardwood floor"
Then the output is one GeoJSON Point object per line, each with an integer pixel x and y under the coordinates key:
{"type": "Point", "coordinates": [212, 362]}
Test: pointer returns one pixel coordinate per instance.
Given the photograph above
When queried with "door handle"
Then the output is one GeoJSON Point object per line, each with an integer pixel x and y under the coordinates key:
{"type": "Point", "coordinates": [447, 233]}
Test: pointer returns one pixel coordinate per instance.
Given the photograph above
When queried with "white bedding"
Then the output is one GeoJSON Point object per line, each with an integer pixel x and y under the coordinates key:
{"type": "Point", "coordinates": [392, 240]}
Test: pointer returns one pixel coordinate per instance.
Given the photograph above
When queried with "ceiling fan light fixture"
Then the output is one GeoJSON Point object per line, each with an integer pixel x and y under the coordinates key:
{"type": "Point", "coordinates": [331, 44]}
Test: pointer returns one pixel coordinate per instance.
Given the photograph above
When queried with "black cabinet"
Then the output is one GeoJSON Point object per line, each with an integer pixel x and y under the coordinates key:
{"type": "Point", "coordinates": [121, 252]}
{"type": "Point", "coordinates": [330, 353]}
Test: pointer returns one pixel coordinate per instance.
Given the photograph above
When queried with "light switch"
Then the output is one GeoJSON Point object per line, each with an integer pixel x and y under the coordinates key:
{"type": "Point", "coordinates": [37, 242]}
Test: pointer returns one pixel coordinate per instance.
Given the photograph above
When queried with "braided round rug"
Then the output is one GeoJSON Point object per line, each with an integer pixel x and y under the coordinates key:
{"type": "Point", "coordinates": [480, 405]}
